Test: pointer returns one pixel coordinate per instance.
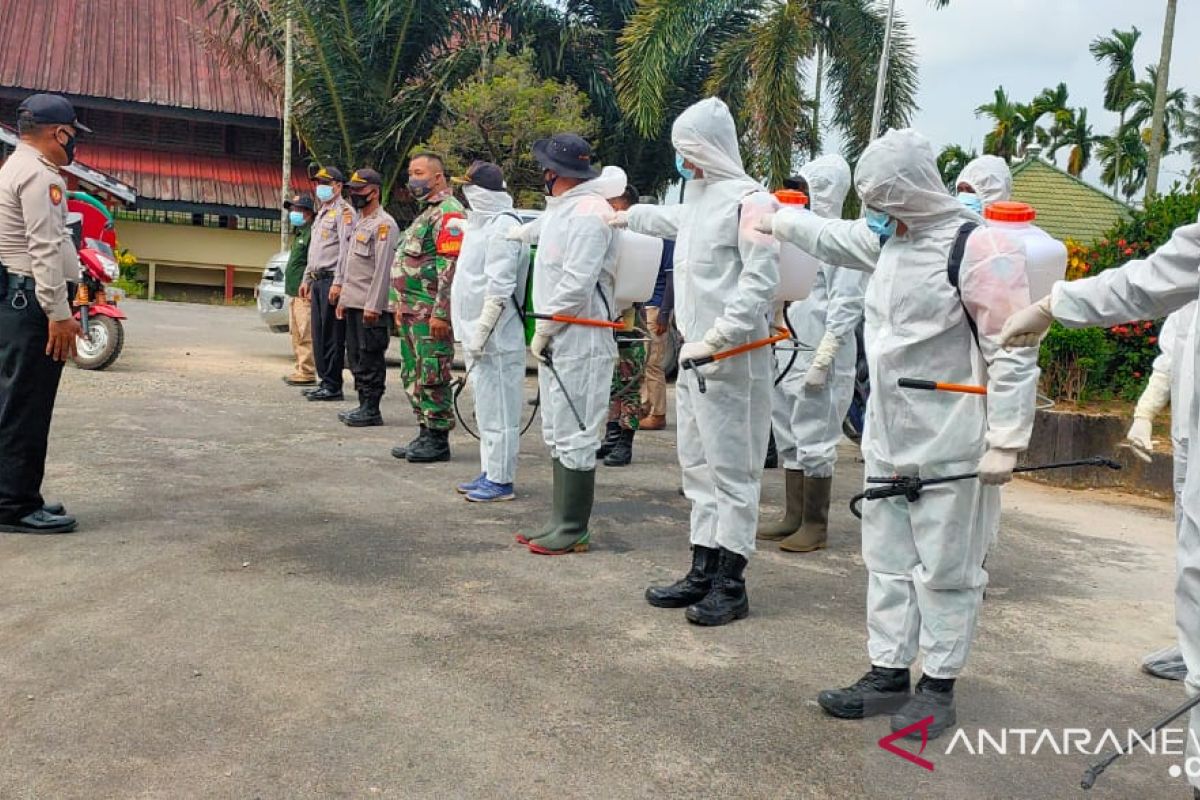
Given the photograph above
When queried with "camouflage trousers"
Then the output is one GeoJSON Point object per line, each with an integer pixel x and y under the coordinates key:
{"type": "Point", "coordinates": [425, 370]}
{"type": "Point", "coordinates": [625, 398]}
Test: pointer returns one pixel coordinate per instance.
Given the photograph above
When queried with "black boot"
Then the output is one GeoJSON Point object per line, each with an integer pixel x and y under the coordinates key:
{"type": "Point", "coordinates": [691, 588]}
{"type": "Point", "coordinates": [434, 447]}
{"type": "Point", "coordinates": [367, 416]}
{"type": "Point", "coordinates": [881, 691]}
{"type": "Point", "coordinates": [621, 453]}
{"type": "Point", "coordinates": [361, 404]}
{"type": "Point", "coordinates": [934, 697]}
{"type": "Point", "coordinates": [611, 434]}
{"type": "Point", "coordinates": [726, 601]}
{"type": "Point", "coordinates": [401, 451]}
{"type": "Point", "coordinates": [772, 460]}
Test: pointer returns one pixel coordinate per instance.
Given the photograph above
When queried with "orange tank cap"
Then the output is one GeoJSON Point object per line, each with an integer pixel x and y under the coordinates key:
{"type": "Point", "coordinates": [1007, 211]}
{"type": "Point", "coordinates": [792, 197]}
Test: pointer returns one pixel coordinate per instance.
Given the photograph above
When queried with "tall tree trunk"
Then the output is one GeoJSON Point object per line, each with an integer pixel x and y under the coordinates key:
{"type": "Point", "coordinates": [1117, 165]}
{"type": "Point", "coordinates": [816, 123]}
{"type": "Point", "coordinates": [1158, 132]}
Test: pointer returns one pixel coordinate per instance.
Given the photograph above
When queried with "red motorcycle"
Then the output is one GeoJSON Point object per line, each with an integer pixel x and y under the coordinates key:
{"type": "Point", "coordinates": [97, 313]}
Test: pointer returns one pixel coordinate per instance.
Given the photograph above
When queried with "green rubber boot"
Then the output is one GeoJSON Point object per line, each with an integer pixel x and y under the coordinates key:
{"type": "Point", "coordinates": [571, 535]}
{"type": "Point", "coordinates": [556, 506]}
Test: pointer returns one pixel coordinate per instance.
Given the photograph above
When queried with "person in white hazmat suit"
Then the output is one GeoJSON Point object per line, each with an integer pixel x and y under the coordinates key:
{"type": "Point", "coordinates": [925, 558]}
{"type": "Point", "coordinates": [812, 397]}
{"type": "Point", "coordinates": [573, 275]}
{"type": "Point", "coordinates": [985, 180]}
{"type": "Point", "coordinates": [726, 274]}
{"type": "Point", "coordinates": [1144, 289]}
{"type": "Point", "coordinates": [489, 278]}
{"type": "Point", "coordinates": [1172, 380]}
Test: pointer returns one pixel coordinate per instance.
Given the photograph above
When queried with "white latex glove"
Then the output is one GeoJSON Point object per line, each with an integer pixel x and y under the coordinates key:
{"type": "Point", "coordinates": [1139, 440]}
{"type": "Point", "coordinates": [818, 372]}
{"type": "Point", "coordinates": [538, 346]}
{"type": "Point", "coordinates": [619, 220]}
{"type": "Point", "coordinates": [1025, 328]}
{"type": "Point", "coordinates": [694, 350]}
{"type": "Point", "coordinates": [766, 224]}
{"type": "Point", "coordinates": [526, 234]}
{"type": "Point", "coordinates": [816, 378]}
{"type": "Point", "coordinates": [493, 307]}
{"type": "Point", "coordinates": [996, 466]}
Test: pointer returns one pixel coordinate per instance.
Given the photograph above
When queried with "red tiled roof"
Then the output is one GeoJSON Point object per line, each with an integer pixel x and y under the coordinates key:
{"type": "Point", "coordinates": [195, 179]}
{"type": "Point", "coordinates": [143, 51]}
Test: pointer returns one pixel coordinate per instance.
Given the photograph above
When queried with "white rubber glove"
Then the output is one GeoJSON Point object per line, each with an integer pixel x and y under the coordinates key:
{"type": "Point", "coordinates": [1025, 328]}
{"type": "Point", "coordinates": [1139, 440]}
{"type": "Point", "coordinates": [996, 466]}
{"type": "Point", "coordinates": [493, 307]}
{"type": "Point", "coordinates": [539, 345]}
{"type": "Point", "coordinates": [818, 372]}
{"type": "Point", "coordinates": [525, 234]}
{"type": "Point", "coordinates": [766, 224]}
{"type": "Point", "coordinates": [619, 220]}
{"type": "Point", "coordinates": [690, 351]}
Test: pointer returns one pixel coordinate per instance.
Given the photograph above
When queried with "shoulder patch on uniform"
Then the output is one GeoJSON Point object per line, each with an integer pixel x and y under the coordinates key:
{"type": "Point", "coordinates": [347, 216]}
{"type": "Point", "coordinates": [55, 193]}
{"type": "Point", "coordinates": [450, 234]}
{"type": "Point", "coordinates": [383, 232]}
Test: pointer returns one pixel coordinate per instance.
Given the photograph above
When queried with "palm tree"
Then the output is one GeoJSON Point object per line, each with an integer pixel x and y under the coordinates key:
{"type": "Point", "coordinates": [756, 55]}
{"type": "Point", "coordinates": [1188, 129]}
{"type": "Point", "coordinates": [1144, 99]}
{"type": "Point", "coordinates": [1004, 139]}
{"type": "Point", "coordinates": [1056, 103]}
{"type": "Point", "coordinates": [952, 161]}
{"type": "Point", "coordinates": [1075, 133]}
{"type": "Point", "coordinates": [1125, 161]}
{"type": "Point", "coordinates": [1117, 52]}
{"type": "Point", "coordinates": [1159, 124]}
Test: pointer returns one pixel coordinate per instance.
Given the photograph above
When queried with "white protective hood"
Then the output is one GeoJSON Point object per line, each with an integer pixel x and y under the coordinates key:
{"type": "Point", "coordinates": [483, 204]}
{"type": "Point", "coordinates": [828, 180]}
{"type": "Point", "coordinates": [898, 175]}
{"type": "Point", "coordinates": [990, 177]}
{"type": "Point", "coordinates": [706, 135]}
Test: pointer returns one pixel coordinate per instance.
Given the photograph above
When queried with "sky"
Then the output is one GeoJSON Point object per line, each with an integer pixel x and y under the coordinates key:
{"type": "Point", "coordinates": [973, 46]}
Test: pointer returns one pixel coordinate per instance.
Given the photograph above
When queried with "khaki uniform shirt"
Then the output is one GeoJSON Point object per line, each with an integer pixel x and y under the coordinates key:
{"type": "Point", "coordinates": [330, 235]}
{"type": "Point", "coordinates": [368, 265]}
{"type": "Point", "coordinates": [34, 238]}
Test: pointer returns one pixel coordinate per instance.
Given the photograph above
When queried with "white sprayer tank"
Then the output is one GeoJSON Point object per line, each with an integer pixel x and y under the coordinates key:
{"type": "Point", "coordinates": [1045, 256]}
{"type": "Point", "coordinates": [797, 269]}
{"type": "Point", "coordinates": [638, 258]}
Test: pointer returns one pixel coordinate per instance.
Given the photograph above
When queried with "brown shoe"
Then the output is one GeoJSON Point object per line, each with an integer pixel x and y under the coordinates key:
{"type": "Point", "coordinates": [299, 380]}
{"type": "Point", "coordinates": [653, 422]}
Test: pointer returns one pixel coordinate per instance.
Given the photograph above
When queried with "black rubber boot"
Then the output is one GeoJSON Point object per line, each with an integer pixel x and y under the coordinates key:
{"type": "Point", "coordinates": [934, 697]}
{"type": "Point", "coordinates": [621, 453]}
{"type": "Point", "coordinates": [726, 601]}
{"type": "Point", "coordinates": [401, 450]}
{"type": "Point", "coordinates": [577, 496]}
{"type": "Point", "coordinates": [366, 417]}
{"type": "Point", "coordinates": [361, 404]}
{"type": "Point", "coordinates": [881, 691]}
{"type": "Point", "coordinates": [691, 588]}
{"type": "Point", "coordinates": [611, 434]}
{"type": "Point", "coordinates": [434, 447]}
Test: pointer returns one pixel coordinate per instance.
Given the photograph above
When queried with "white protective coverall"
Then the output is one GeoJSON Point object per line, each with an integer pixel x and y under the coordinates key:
{"type": "Point", "coordinates": [574, 274]}
{"type": "Point", "coordinates": [725, 278]}
{"type": "Point", "coordinates": [1147, 289]}
{"type": "Point", "coordinates": [925, 559]}
{"type": "Point", "coordinates": [808, 420]}
{"type": "Point", "coordinates": [990, 177]}
{"type": "Point", "coordinates": [491, 271]}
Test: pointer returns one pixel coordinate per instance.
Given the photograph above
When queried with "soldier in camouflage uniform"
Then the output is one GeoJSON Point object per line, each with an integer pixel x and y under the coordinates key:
{"type": "Point", "coordinates": [422, 276]}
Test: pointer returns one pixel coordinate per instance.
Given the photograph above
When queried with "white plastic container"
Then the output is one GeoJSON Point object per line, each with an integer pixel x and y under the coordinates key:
{"type": "Point", "coordinates": [638, 258]}
{"type": "Point", "coordinates": [797, 269]}
{"type": "Point", "coordinates": [1045, 256]}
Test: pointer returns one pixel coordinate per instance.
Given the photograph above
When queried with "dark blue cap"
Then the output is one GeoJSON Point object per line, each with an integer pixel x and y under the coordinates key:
{"type": "Point", "coordinates": [52, 109]}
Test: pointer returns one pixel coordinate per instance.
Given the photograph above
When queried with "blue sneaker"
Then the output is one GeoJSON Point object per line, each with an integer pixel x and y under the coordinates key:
{"type": "Point", "coordinates": [488, 492]}
{"type": "Point", "coordinates": [466, 488]}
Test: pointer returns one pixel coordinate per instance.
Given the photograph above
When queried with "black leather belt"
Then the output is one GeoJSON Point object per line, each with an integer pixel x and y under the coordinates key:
{"type": "Point", "coordinates": [21, 283]}
{"type": "Point", "coordinates": [322, 274]}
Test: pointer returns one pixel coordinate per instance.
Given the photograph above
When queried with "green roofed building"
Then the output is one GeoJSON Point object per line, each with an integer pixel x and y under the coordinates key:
{"type": "Point", "coordinates": [1067, 208]}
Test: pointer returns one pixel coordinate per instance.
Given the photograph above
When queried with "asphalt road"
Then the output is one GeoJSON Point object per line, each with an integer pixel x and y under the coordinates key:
{"type": "Point", "coordinates": [262, 603]}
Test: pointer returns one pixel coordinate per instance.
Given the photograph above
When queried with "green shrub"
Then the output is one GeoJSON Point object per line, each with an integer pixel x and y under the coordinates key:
{"type": "Point", "coordinates": [1075, 362]}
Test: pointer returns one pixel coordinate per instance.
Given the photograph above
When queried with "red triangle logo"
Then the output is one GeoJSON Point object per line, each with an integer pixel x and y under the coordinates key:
{"type": "Point", "coordinates": [887, 743]}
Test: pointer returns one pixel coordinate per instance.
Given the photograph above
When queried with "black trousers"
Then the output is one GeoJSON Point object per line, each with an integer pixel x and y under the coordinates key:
{"type": "Point", "coordinates": [366, 344]}
{"type": "Point", "coordinates": [28, 386]}
{"type": "Point", "coordinates": [328, 336]}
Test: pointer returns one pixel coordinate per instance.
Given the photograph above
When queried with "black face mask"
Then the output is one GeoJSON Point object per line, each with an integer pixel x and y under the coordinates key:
{"type": "Point", "coordinates": [550, 178]}
{"type": "Point", "coordinates": [360, 201]}
{"type": "Point", "coordinates": [68, 148]}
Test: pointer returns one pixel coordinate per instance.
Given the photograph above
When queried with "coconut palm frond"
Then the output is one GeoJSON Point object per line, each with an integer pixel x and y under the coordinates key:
{"type": "Point", "coordinates": [781, 42]}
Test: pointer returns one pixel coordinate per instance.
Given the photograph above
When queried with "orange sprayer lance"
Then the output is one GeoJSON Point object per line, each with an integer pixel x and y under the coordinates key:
{"type": "Point", "coordinates": [696, 363]}
{"type": "Point", "coordinates": [935, 386]}
{"type": "Point", "coordinates": [591, 323]}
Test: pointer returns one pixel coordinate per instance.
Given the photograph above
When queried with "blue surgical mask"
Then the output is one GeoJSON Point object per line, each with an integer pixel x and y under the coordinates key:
{"type": "Point", "coordinates": [296, 218]}
{"type": "Point", "coordinates": [880, 223]}
{"type": "Point", "coordinates": [324, 192]}
{"type": "Point", "coordinates": [971, 201]}
{"type": "Point", "coordinates": [687, 174]}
